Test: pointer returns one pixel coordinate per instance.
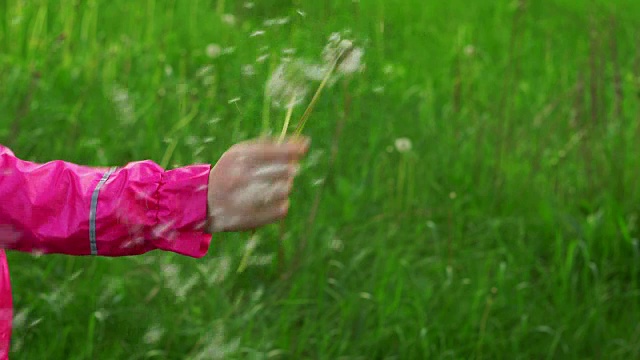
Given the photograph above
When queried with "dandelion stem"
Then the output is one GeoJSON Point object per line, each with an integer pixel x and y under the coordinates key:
{"type": "Point", "coordinates": [287, 119]}
{"type": "Point", "coordinates": [316, 96]}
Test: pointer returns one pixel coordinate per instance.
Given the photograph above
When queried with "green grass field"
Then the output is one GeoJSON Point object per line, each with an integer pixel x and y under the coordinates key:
{"type": "Point", "coordinates": [510, 230]}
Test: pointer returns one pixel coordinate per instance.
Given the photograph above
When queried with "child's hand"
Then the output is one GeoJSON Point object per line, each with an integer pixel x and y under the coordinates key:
{"type": "Point", "coordinates": [249, 186]}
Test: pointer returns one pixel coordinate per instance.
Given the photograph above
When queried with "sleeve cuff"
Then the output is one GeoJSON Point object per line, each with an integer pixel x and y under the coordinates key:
{"type": "Point", "coordinates": [182, 211]}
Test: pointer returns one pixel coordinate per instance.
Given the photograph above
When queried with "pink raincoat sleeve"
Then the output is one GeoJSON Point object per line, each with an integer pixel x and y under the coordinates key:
{"type": "Point", "coordinates": [63, 208]}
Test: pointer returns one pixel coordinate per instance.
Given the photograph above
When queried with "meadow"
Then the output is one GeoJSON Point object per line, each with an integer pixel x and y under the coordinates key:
{"type": "Point", "coordinates": [472, 193]}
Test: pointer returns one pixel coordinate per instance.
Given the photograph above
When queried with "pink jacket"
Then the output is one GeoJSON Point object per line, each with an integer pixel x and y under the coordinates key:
{"type": "Point", "coordinates": [62, 208]}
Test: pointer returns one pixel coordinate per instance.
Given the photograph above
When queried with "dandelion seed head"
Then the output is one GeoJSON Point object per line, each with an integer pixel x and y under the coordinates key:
{"type": "Point", "coordinates": [469, 50]}
{"type": "Point", "coordinates": [345, 44]}
{"type": "Point", "coordinates": [336, 245]}
{"type": "Point", "coordinates": [229, 19]}
{"type": "Point", "coordinates": [101, 315]}
{"type": "Point", "coordinates": [213, 50]}
{"type": "Point", "coordinates": [168, 70]}
{"type": "Point", "coordinates": [287, 85]}
{"type": "Point", "coordinates": [403, 145]}
{"type": "Point", "coordinates": [316, 72]}
{"type": "Point", "coordinates": [351, 63]}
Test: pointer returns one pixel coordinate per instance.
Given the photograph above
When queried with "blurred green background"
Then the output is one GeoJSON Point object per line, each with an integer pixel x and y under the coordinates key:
{"type": "Point", "coordinates": [509, 229]}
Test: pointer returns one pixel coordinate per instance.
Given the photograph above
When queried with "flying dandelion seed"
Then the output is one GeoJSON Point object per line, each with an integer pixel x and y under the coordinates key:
{"type": "Point", "coordinates": [20, 318]}
{"type": "Point", "coordinates": [276, 22]}
{"type": "Point", "coordinates": [203, 71]}
{"type": "Point", "coordinates": [257, 33]}
{"type": "Point", "coordinates": [248, 70]}
{"type": "Point", "coordinates": [221, 271]}
{"type": "Point", "coordinates": [301, 13]}
{"type": "Point", "coordinates": [262, 58]}
{"type": "Point", "coordinates": [228, 50]}
{"type": "Point", "coordinates": [261, 260]}
{"type": "Point", "coordinates": [217, 347]}
{"type": "Point", "coordinates": [153, 335]}
{"type": "Point", "coordinates": [123, 104]}
{"type": "Point", "coordinates": [160, 230]}
{"type": "Point", "coordinates": [249, 5]}
{"type": "Point", "coordinates": [234, 100]}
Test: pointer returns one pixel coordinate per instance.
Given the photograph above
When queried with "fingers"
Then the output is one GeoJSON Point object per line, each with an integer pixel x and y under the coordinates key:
{"type": "Point", "coordinates": [276, 171]}
{"type": "Point", "coordinates": [250, 185]}
{"type": "Point", "coordinates": [260, 194]}
{"type": "Point", "coordinates": [262, 150]}
{"type": "Point", "coordinates": [224, 222]}
{"type": "Point", "coordinates": [268, 216]}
